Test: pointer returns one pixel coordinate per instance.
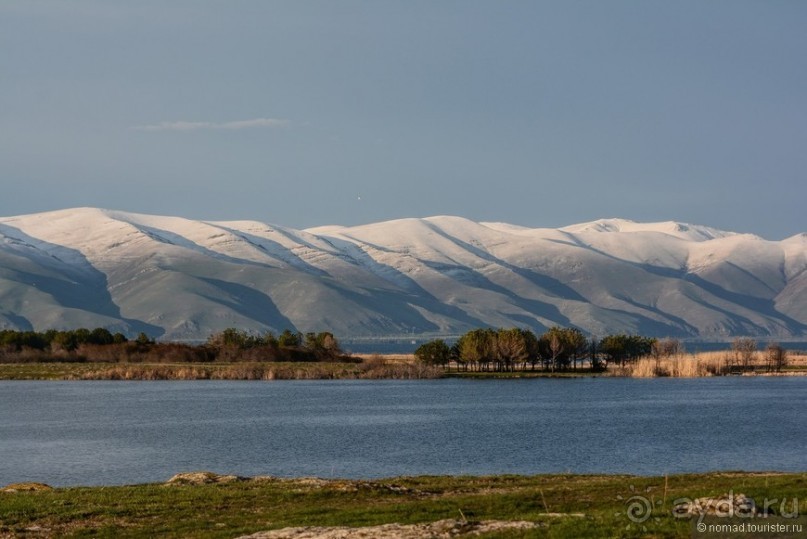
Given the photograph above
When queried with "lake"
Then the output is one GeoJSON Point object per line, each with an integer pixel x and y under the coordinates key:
{"type": "Point", "coordinates": [92, 433]}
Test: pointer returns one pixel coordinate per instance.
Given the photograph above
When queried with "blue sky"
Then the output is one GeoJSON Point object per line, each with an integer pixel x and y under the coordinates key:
{"type": "Point", "coordinates": [306, 113]}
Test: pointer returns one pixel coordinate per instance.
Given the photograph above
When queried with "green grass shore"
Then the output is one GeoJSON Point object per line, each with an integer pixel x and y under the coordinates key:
{"type": "Point", "coordinates": [570, 506]}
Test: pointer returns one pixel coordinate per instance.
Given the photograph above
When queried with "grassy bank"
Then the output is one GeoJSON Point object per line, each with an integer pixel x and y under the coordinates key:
{"type": "Point", "coordinates": [367, 369]}
{"type": "Point", "coordinates": [563, 505]}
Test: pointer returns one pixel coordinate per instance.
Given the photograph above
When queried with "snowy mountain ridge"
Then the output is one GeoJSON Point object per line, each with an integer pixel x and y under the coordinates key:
{"type": "Point", "coordinates": [178, 278]}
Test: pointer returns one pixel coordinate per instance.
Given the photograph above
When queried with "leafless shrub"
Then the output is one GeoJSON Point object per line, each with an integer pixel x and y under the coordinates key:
{"type": "Point", "coordinates": [776, 357]}
{"type": "Point", "coordinates": [745, 349]}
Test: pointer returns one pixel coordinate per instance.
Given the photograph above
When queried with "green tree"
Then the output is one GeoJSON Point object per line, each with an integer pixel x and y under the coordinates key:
{"type": "Point", "coordinates": [64, 340]}
{"type": "Point", "coordinates": [269, 339]}
{"type": "Point", "coordinates": [435, 352]}
{"type": "Point", "coordinates": [477, 346]}
{"type": "Point", "coordinates": [322, 344]}
{"type": "Point", "coordinates": [310, 341]}
{"type": "Point", "coordinates": [143, 339]}
{"type": "Point", "coordinates": [621, 348]}
{"type": "Point", "coordinates": [235, 338]}
{"type": "Point", "coordinates": [531, 343]}
{"type": "Point", "coordinates": [575, 345]}
{"type": "Point", "coordinates": [101, 336]}
{"type": "Point", "coordinates": [289, 339]}
{"type": "Point", "coordinates": [82, 335]}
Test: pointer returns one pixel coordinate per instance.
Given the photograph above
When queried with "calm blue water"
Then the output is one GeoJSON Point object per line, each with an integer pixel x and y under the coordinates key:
{"type": "Point", "coordinates": [89, 433]}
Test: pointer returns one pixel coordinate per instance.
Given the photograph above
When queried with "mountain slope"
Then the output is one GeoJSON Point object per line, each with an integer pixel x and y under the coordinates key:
{"type": "Point", "coordinates": [183, 279]}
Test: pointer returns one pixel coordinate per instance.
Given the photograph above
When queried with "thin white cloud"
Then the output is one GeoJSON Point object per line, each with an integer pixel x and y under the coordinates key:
{"type": "Point", "coordinates": [196, 126]}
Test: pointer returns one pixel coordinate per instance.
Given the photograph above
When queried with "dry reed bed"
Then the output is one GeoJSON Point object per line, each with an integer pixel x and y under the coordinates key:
{"type": "Point", "coordinates": [698, 365]}
{"type": "Point", "coordinates": [370, 369]}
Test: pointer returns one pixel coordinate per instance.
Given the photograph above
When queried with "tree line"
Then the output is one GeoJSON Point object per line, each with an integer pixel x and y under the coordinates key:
{"type": "Point", "coordinates": [100, 344]}
{"type": "Point", "coordinates": [509, 349]}
{"type": "Point", "coordinates": [563, 349]}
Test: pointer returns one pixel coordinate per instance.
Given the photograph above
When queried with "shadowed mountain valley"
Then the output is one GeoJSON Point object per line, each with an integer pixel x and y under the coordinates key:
{"type": "Point", "coordinates": [180, 279]}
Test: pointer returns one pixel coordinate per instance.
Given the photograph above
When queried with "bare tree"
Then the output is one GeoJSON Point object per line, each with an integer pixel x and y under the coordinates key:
{"type": "Point", "coordinates": [776, 357]}
{"type": "Point", "coordinates": [745, 349]}
{"type": "Point", "coordinates": [556, 347]}
{"type": "Point", "coordinates": [667, 349]}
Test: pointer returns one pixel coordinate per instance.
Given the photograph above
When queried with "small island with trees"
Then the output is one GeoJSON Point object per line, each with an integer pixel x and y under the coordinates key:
{"type": "Point", "coordinates": [564, 350]}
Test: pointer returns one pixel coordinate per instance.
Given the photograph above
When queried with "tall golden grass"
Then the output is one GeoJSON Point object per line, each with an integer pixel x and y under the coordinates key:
{"type": "Point", "coordinates": [696, 365]}
{"type": "Point", "coordinates": [682, 366]}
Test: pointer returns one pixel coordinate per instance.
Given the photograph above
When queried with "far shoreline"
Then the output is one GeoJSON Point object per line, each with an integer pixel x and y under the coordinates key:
{"type": "Point", "coordinates": [361, 367]}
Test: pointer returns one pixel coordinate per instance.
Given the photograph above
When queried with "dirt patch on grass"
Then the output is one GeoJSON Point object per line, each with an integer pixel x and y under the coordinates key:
{"type": "Point", "coordinates": [440, 528]}
{"type": "Point", "coordinates": [25, 487]}
{"type": "Point", "coordinates": [203, 478]}
{"type": "Point", "coordinates": [305, 484]}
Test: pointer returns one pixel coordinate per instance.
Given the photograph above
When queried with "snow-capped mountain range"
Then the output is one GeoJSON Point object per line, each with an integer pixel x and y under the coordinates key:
{"type": "Point", "coordinates": [181, 279]}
